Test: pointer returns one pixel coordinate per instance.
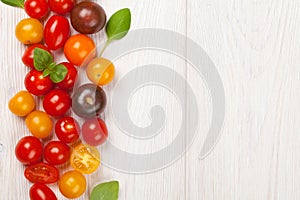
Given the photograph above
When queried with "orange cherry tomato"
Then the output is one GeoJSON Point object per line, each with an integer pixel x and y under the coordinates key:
{"type": "Point", "coordinates": [39, 124]}
{"type": "Point", "coordinates": [29, 31]}
{"type": "Point", "coordinates": [21, 104]}
{"type": "Point", "coordinates": [72, 184]}
{"type": "Point", "coordinates": [85, 158]}
{"type": "Point", "coordinates": [80, 49]}
{"type": "Point", "coordinates": [100, 71]}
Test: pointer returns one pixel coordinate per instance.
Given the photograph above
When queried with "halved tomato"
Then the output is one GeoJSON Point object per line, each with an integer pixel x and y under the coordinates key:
{"type": "Point", "coordinates": [41, 173]}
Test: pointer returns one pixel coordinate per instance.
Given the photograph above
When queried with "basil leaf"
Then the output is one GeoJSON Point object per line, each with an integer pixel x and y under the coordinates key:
{"type": "Point", "coordinates": [46, 72]}
{"type": "Point", "coordinates": [118, 25]}
{"type": "Point", "coordinates": [14, 3]}
{"type": "Point", "coordinates": [106, 191]}
{"type": "Point", "coordinates": [58, 74]}
{"type": "Point", "coordinates": [41, 59]}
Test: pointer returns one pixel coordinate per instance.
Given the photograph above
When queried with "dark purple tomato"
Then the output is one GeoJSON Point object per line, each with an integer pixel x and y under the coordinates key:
{"type": "Point", "coordinates": [88, 17]}
{"type": "Point", "coordinates": [56, 32]}
{"type": "Point", "coordinates": [89, 100]}
{"type": "Point", "coordinates": [40, 191]}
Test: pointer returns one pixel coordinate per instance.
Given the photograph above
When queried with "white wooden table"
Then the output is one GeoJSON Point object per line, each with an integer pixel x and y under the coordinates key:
{"type": "Point", "coordinates": [255, 46]}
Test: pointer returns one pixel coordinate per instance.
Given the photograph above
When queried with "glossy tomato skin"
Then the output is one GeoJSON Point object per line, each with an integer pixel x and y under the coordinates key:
{"type": "Point", "coordinates": [56, 32]}
{"type": "Point", "coordinates": [67, 130]}
{"type": "Point", "coordinates": [61, 6]}
{"type": "Point", "coordinates": [21, 104]}
{"type": "Point", "coordinates": [79, 49]}
{"type": "Point", "coordinates": [39, 124]}
{"type": "Point", "coordinates": [29, 150]}
{"type": "Point", "coordinates": [70, 78]}
{"type": "Point", "coordinates": [40, 191]}
{"type": "Point", "coordinates": [94, 131]}
{"type": "Point", "coordinates": [36, 84]}
{"type": "Point", "coordinates": [100, 71]}
{"type": "Point", "coordinates": [41, 173]}
{"type": "Point", "coordinates": [88, 17]}
{"type": "Point", "coordinates": [56, 153]}
{"type": "Point", "coordinates": [27, 57]}
{"type": "Point", "coordinates": [36, 8]}
{"type": "Point", "coordinates": [72, 184]}
{"type": "Point", "coordinates": [29, 31]}
{"type": "Point", "coordinates": [88, 100]}
{"type": "Point", "coordinates": [57, 102]}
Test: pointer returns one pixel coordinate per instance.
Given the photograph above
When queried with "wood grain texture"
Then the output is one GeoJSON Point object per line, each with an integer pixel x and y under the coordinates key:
{"type": "Point", "coordinates": [255, 47]}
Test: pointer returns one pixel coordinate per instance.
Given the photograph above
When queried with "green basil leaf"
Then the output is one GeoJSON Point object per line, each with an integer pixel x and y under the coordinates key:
{"type": "Point", "coordinates": [106, 191]}
{"type": "Point", "coordinates": [58, 74]}
{"type": "Point", "coordinates": [46, 72]}
{"type": "Point", "coordinates": [41, 59]}
{"type": "Point", "coordinates": [14, 3]}
{"type": "Point", "coordinates": [118, 25]}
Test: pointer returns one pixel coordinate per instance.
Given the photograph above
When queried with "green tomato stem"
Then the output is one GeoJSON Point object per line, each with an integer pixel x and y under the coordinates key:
{"type": "Point", "coordinates": [104, 47]}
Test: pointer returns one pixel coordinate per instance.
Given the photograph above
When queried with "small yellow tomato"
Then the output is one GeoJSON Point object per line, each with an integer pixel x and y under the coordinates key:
{"type": "Point", "coordinates": [72, 184]}
{"type": "Point", "coordinates": [100, 71]}
{"type": "Point", "coordinates": [29, 31]}
{"type": "Point", "coordinates": [39, 124]}
{"type": "Point", "coordinates": [21, 104]}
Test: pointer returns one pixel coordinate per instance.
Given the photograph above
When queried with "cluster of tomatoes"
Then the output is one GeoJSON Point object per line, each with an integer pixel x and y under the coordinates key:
{"type": "Point", "coordinates": [52, 84]}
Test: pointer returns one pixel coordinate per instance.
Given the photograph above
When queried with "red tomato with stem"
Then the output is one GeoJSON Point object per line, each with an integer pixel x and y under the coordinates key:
{"type": "Point", "coordinates": [41, 173]}
{"type": "Point", "coordinates": [56, 153]}
{"type": "Point", "coordinates": [29, 150]}
{"type": "Point", "coordinates": [37, 84]}
{"type": "Point", "coordinates": [56, 32]}
{"type": "Point", "coordinates": [36, 8]}
{"type": "Point", "coordinates": [67, 129]}
{"type": "Point", "coordinates": [70, 78]}
{"type": "Point", "coordinates": [94, 131]}
{"type": "Point", "coordinates": [61, 6]}
{"type": "Point", "coordinates": [27, 57]}
{"type": "Point", "coordinates": [57, 102]}
{"type": "Point", "coordinates": [40, 191]}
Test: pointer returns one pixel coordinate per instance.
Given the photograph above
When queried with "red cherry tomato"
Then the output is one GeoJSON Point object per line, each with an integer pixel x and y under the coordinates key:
{"type": "Point", "coordinates": [67, 129]}
{"type": "Point", "coordinates": [27, 57]}
{"type": "Point", "coordinates": [56, 32]}
{"type": "Point", "coordinates": [29, 150]}
{"type": "Point", "coordinates": [36, 84]}
{"type": "Point", "coordinates": [61, 6]}
{"type": "Point", "coordinates": [70, 78]}
{"type": "Point", "coordinates": [40, 191]}
{"type": "Point", "coordinates": [41, 173]}
{"type": "Point", "coordinates": [56, 153]}
{"type": "Point", "coordinates": [94, 131]}
{"type": "Point", "coordinates": [36, 8]}
{"type": "Point", "coordinates": [57, 102]}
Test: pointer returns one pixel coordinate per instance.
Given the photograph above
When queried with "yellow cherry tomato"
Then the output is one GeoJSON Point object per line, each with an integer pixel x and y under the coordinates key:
{"type": "Point", "coordinates": [29, 31]}
{"type": "Point", "coordinates": [21, 104]}
{"type": "Point", "coordinates": [72, 184]}
{"type": "Point", "coordinates": [85, 158]}
{"type": "Point", "coordinates": [100, 71]}
{"type": "Point", "coordinates": [39, 124]}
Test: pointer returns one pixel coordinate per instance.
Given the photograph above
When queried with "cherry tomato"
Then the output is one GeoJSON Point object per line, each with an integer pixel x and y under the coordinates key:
{"type": "Point", "coordinates": [40, 191]}
{"type": "Point", "coordinates": [27, 57]}
{"type": "Point", "coordinates": [41, 173]}
{"type": "Point", "coordinates": [85, 158]}
{"type": "Point", "coordinates": [22, 103]}
{"type": "Point", "coordinates": [67, 129]}
{"type": "Point", "coordinates": [36, 8]}
{"type": "Point", "coordinates": [100, 71]}
{"type": "Point", "coordinates": [70, 78]}
{"type": "Point", "coordinates": [39, 124]}
{"type": "Point", "coordinates": [94, 131]}
{"type": "Point", "coordinates": [29, 150]}
{"type": "Point", "coordinates": [36, 84]}
{"type": "Point", "coordinates": [29, 31]}
{"type": "Point", "coordinates": [79, 49]}
{"type": "Point", "coordinates": [56, 32]}
{"type": "Point", "coordinates": [72, 184]}
{"type": "Point", "coordinates": [56, 153]}
{"type": "Point", "coordinates": [61, 6]}
{"type": "Point", "coordinates": [88, 17]}
{"type": "Point", "coordinates": [57, 102]}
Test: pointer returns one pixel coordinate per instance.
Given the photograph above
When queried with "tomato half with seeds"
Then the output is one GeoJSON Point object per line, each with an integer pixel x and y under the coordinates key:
{"type": "Point", "coordinates": [40, 191]}
{"type": "Point", "coordinates": [37, 84]}
{"type": "Point", "coordinates": [42, 173]}
{"type": "Point", "coordinates": [57, 102]}
{"type": "Point", "coordinates": [27, 57]}
{"type": "Point", "coordinates": [70, 78]}
{"type": "Point", "coordinates": [56, 153]}
{"type": "Point", "coordinates": [85, 158]}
